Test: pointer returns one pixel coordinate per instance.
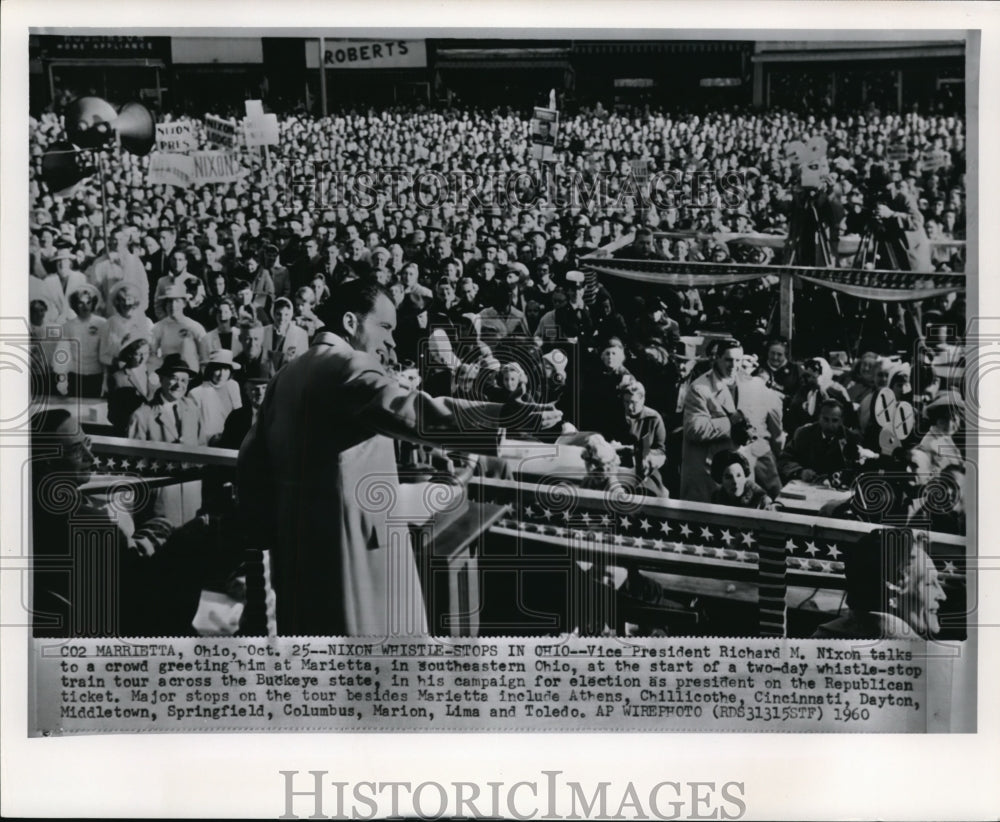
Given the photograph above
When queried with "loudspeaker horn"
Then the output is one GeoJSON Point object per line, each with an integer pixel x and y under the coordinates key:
{"type": "Point", "coordinates": [63, 166]}
{"type": "Point", "coordinates": [92, 123]}
{"type": "Point", "coordinates": [136, 128]}
{"type": "Point", "coordinates": [89, 122]}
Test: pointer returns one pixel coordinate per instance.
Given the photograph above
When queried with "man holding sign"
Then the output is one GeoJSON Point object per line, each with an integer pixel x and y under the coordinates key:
{"type": "Point", "coordinates": [544, 128]}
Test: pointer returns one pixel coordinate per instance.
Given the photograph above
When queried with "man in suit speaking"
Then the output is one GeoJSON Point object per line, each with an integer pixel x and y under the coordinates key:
{"type": "Point", "coordinates": [323, 433]}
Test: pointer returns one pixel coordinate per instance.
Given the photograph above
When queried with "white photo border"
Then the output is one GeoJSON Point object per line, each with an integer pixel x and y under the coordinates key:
{"type": "Point", "coordinates": [786, 776]}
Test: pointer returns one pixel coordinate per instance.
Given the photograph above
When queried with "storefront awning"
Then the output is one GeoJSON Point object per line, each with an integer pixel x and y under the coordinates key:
{"type": "Point", "coordinates": [846, 51]}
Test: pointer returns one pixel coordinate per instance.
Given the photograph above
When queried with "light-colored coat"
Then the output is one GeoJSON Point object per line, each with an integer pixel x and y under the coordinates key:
{"type": "Point", "coordinates": [152, 422]}
{"type": "Point", "coordinates": [707, 431]}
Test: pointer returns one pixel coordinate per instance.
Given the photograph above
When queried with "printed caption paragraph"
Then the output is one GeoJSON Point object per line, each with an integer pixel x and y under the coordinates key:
{"type": "Point", "coordinates": [286, 684]}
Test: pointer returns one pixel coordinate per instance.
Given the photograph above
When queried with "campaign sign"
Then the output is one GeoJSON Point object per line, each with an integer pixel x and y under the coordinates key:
{"type": "Point", "coordinates": [175, 137]}
{"type": "Point", "coordinates": [903, 420]}
{"type": "Point", "coordinates": [885, 406]}
{"type": "Point", "coordinates": [171, 169]}
{"type": "Point", "coordinates": [217, 167]}
{"type": "Point", "coordinates": [544, 129]}
{"type": "Point", "coordinates": [219, 131]}
{"type": "Point", "coordinates": [261, 131]}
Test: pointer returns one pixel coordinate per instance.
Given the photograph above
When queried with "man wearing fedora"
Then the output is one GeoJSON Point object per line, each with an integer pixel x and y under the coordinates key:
{"type": "Point", "coordinates": [171, 416]}
{"type": "Point", "coordinates": [177, 333]}
{"type": "Point", "coordinates": [77, 362]}
{"type": "Point", "coordinates": [219, 394]}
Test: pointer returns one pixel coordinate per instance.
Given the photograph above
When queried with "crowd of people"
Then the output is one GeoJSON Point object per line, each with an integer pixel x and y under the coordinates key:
{"type": "Point", "coordinates": [198, 297]}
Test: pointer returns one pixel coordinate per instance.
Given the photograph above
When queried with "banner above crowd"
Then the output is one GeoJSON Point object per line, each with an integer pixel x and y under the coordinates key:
{"type": "Point", "coordinates": [886, 286]}
{"type": "Point", "coordinates": [195, 169]}
{"type": "Point", "coordinates": [367, 54]}
{"type": "Point", "coordinates": [673, 274]}
{"type": "Point", "coordinates": [890, 286]}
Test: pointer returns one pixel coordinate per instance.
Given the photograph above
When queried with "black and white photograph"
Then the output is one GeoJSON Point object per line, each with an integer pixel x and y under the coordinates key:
{"type": "Point", "coordinates": [407, 380]}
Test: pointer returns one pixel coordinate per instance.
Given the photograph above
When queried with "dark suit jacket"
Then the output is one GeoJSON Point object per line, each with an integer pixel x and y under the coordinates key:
{"type": "Point", "coordinates": [808, 449]}
{"type": "Point", "coordinates": [151, 596]}
{"type": "Point", "coordinates": [318, 481]}
{"type": "Point", "coordinates": [236, 427]}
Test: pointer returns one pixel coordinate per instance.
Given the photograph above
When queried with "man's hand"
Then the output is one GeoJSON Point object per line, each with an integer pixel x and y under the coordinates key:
{"type": "Point", "coordinates": [536, 415]}
{"type": "Point", "coordinates": [807, 475]}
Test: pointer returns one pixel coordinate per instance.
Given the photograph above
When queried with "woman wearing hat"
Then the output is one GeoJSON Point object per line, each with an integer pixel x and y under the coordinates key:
{"type": "Point", "coordinates": [731, 471]}
{"type": "Point", "coordinates": [127, 323]}
{"type": "Point", "coordinates": [218, 395]}
{"type": "Point", "coordinates": [177, 333]}
{"type": "Point", "coordinates": [131, 383]}
{"type": "Point", "coordinates": [640, 428]}
{"type": "Point", "coordinates": [65, 280]}
{"type": "Point", "coordinates": [945, 414]}
{"type": "Point", "coordinates": [77, 362]}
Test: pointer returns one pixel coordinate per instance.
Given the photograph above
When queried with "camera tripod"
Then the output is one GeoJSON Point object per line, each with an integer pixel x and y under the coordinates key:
{"type": "Point", "coordinates": [874, 249]}
{"type": "Point", "coordinates": [878, 251]}
{"type": "Point", "coordinates": [809, 246]}
{"type": "Point", "coordinates": [798, 246]}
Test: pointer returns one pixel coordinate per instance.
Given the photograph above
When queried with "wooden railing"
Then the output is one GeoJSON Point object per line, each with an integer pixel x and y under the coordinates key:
{"type": "Point", "coordinates": [774, 561]}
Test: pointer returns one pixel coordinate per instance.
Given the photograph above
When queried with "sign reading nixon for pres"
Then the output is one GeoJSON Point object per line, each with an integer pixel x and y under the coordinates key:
{"type": "Point", "coordinates": [367, 54]}
{"type": "Point", "coordinates": [176, 137]}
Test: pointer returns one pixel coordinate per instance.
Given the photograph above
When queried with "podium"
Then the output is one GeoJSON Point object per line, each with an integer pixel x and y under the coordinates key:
{"type": "Point", "coordinates": [447, 548]}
